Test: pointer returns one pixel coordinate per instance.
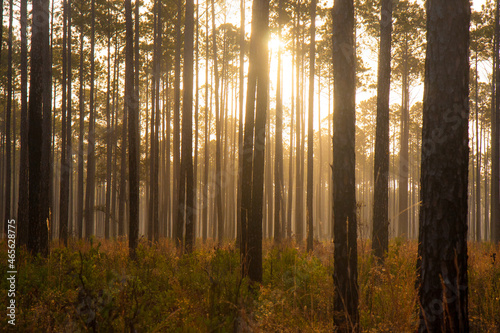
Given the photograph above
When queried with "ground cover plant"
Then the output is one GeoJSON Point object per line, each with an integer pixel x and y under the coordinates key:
{"type": "Point", "coordinates": [94, 286]}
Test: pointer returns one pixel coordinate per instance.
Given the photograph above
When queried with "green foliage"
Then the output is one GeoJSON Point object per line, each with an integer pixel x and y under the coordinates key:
{"type": "Point", "coordinates": [97, 287]}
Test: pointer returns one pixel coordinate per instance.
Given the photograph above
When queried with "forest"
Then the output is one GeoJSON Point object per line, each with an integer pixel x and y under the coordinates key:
{"type": "Point", "coordinates": [250, 166]}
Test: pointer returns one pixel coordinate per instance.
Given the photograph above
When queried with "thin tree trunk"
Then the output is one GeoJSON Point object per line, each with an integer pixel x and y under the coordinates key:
{"type": "Point", "coordinates": [8, 143]}
{"type": "Point", "coordinates": [310, 132]}
{"type": "Point", "coordinates": [177, 227]}
{"type": "Point", "coordinates": [90, 192]}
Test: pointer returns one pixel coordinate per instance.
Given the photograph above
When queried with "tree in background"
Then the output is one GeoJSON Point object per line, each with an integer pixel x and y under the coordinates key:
{"type": "Point", "coordinates": [442, 249]}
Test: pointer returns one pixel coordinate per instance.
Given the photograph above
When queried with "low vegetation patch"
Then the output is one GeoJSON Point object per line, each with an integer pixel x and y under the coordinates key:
{"type": "Point", "coordinates": [94, 286]}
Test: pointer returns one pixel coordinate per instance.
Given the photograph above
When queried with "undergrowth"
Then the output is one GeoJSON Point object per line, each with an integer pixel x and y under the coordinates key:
{"type": "Point", "coordinates": [94, 286]}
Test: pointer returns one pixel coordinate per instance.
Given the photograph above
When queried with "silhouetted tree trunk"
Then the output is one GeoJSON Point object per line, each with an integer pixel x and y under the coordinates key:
{"type": "Point", "coordinates": [64, 185]}
{"type": "Point", "coordinates": [260, 30]}
{"type": "Point", "coordinates": [8, 111]}
{"type": "Point", "coordinates": [90, 192]}
{"type": "Point", "coordinates": [109, 147]}
{"type": "Point", "coordinates": [133, 132]}
{"type": "Point", "coordinates": [23, 204]}
{"type": "Point", "coordinates": [38, 231]}
{"type": "Point", "coordinates": [299, 190]}
{"type": "Point", "coordinates": [495, 137]}
{"type": "Point", "coordinates": [186, 202]}
{"type": "Point", "coordinates": [345, 276]}
{"type": "Point", "coordinates": [79, 206]}
{"type": "Point", "coordinates": [177, 227]}
{"type": "Point", "coordinates": [442, 266]}
{"type": "Point", "coordinates": [248, 144]}
{"type": "Point", "coordinates": [207, 121]}
{"type": "Point", "coordinates": [403, 214]}
{"type": "Point", "coordinates": [380, 236]}
{"type": "Point", "coordinates": [278, 166]}
{"type": "Point", "coordinates": [240, 122]}
{"type": "Point", "coordinates": [218, 180]}
{"type": "Point", "coordinates": [310, 130]}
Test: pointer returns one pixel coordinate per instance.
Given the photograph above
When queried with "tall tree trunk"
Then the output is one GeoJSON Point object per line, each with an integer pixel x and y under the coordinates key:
{"type": "Point", "coordinates": [109, 147]}
{"type": "Point", "coordinates": [38, 231]}
{"type": "Point", "coordinates": [260, 30]}
{"type": "Point", "coordinates": [345, 277]}
{"type": "Point", "coordinates": [64, 185]}
{"type": "Point", "coordinates": [196, 130]}
{"type": "Point", "coordinates": [240, 122]}
{"type": "Point", "coordinates": [80, 207]}
{"type": "Point", "coordinates": [90, 192]}
{"type": "Point", "coordinates": [23, 203]}
{"type": "Point", "coordinates": [133, 132]}
{"type": "Point", "coordinates": [177, 227]}
{"type": "Point", "coordinates": [186, 202]}
{"type": "Point", "coordinates": [248, 144]}
{"type": "Point", "coordinates": [403, 152]}
{"type": "Point", "coordinates": [380, 236]}
{"type": "Point", "coordinates": [278, 165]}
{"type": "Point", "coordinates": [495, 137]}
{"type": "Point", "coordinates": [47, 183]}
{"type": "Point", "coordinates": [207, 122]}
{"type": "Point", "coordinates": [69, 133]}
{"type": "Point", "coordinates": [218, 181]}
{"type": "Point", "coordinates": [310, 131]}
{"type": "Point", "coordinates": [442, 264]}
{"type": "Point", "coordinates": [8, 143]}
{"type": "Point", "coordinates": [478, 163]}
{"type": "Point", "coordinates": [299, 191]}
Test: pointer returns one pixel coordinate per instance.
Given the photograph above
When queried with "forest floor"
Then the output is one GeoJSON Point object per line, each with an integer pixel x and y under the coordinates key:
{"type": "Point", "coordinates": [94, 286]}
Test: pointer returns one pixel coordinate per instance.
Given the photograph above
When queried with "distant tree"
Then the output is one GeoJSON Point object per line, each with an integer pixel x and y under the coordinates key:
{"type": "Point", "coordinates": [345, 276]}
{"type": "Point", "coordinates": [380, 238]}
{"type": "Point", "coordinates": [442, 249]}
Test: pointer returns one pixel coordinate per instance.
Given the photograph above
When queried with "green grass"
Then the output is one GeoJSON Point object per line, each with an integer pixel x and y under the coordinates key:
{"type": "Point", "coordinates": [90, 286]}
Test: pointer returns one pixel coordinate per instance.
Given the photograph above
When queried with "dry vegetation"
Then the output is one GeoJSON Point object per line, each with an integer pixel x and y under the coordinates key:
{"type": "Point", "coordinates": [94, 286]}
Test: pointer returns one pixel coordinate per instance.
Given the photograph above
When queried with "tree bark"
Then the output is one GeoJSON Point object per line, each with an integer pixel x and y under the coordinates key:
{"type": "Point", "coordinates": [38, 231]}
{"type": "Point", "coordinates": [186, 193]}
{"type": "Point", "coordinates": [310, 130]}
{"type": "Point", "coordinates": [90, 192]}
{"type": "Point", "coordinates": [380, 236]}
{"type": "Point", "coordinates": [133, 132]}
{"type": "Point", "coordinates": [23, 204]}
{"type": "Point", "coordinates": [442, 264]}
{"type": "Point", "coordinates": [346, 315]}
